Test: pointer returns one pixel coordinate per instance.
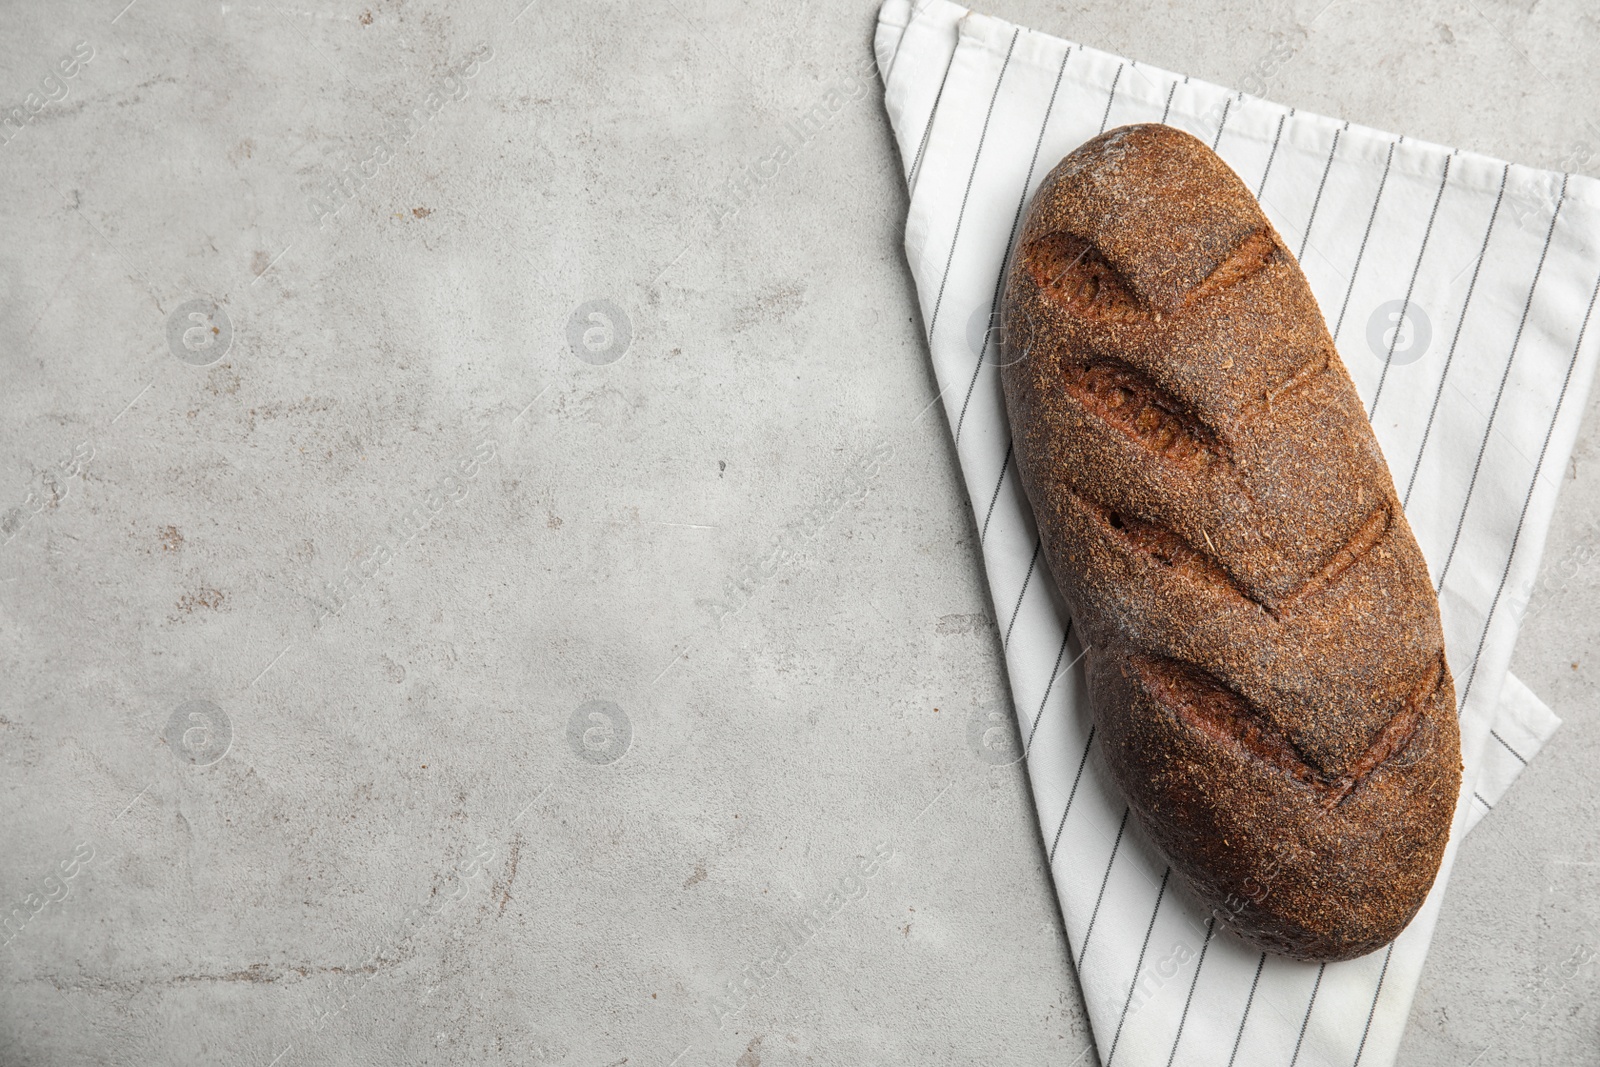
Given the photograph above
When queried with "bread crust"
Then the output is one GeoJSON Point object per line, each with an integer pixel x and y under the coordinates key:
{"type": "Point", "coordinates": [1266, 666]}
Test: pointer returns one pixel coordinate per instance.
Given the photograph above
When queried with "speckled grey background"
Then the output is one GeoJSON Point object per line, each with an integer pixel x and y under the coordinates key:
{"type": "Point", "coordinates": [488, 622]}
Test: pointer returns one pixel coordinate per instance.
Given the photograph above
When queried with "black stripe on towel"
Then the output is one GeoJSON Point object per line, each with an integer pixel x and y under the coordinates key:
{"type": "Point", "coordinates": [998, 482]}
{"type": "Point", "coordinates": [955, 238]}
{"type": "Point", "coordinates": [1522, 517]}
{"type": "Point", "coordinates": [1309, 1005]}
{"type": "Point", "coordinates": [1508, 748]}
{"type": "Point", "coordinates": [1227, 105]}
{"type": "Point", "coordinates": [1112, 95]}
{"type": "Point", "coordinates": [1104, 878]}
{"type": "Point", "coordinates": [916, 164]}
{"type": "Point", "coordinates": [1405, 305]}
{"type": "Point", "coordinates": [1211, 928]}
{"type": "Point", "coordinates": [1000, 277]}
{"type": "Point", "coordinates": [1138, 965]}
{"type": "Point", "coordinates": [1505, 375]}
{"type": "Point", "coordinates": [1262, 188]}
{"type": "Point", "coordinates": [1251, 999]}
{"type": "Point", "coordinates": [1450, 356]}
{"type": "Point", "coordinates": [1316, 201]}
{"type": "Point", "coordinates": [1367, 1029]}
{"type": "Point", "coordinates": [1033, 564]}
{"type": "Point", "coordinates": [1074, 792]}
{"type": "Point", "coordinates": [1054, 674]}
{"type": "Point", "coordinates": [1365, 235]}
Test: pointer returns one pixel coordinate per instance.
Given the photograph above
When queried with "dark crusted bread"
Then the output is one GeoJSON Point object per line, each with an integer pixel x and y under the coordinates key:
{"type": "Point", "coordinates": [1266, 667]}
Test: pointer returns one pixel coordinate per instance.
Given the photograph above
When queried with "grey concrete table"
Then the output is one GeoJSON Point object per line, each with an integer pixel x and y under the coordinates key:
{"type": "Point", "coordinates": [439, 620]}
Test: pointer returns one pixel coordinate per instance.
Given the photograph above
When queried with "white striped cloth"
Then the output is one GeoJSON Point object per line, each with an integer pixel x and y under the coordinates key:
{"type": "Point", "coordinates": [1490, 271]}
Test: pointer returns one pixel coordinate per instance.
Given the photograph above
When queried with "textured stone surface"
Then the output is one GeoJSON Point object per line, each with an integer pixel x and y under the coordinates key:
{"type": "Point", "coordinates": [683, 660]}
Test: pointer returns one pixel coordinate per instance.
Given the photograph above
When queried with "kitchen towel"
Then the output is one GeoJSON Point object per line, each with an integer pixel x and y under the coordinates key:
{"type": "Point", "coordinates": [1458, 289]}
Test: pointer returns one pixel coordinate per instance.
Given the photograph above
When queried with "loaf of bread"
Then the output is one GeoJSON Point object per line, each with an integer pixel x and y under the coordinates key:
{"type": "Point", "coordinates": [1265, 663]}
